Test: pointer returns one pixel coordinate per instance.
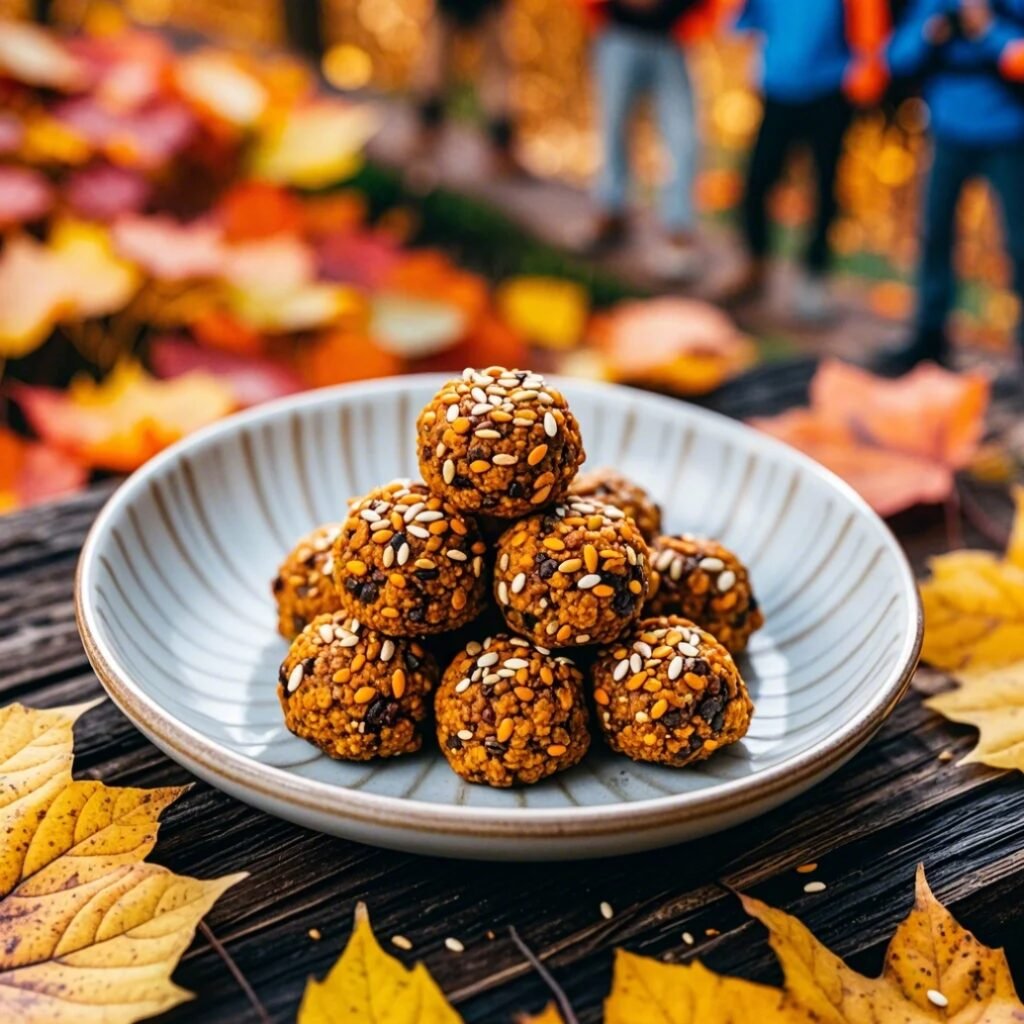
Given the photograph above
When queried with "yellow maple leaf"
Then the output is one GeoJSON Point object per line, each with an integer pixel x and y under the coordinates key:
{"type": "Point", "coordinates": [98, 281]}
{"type": "Point", "coordinates": [974, 604]}
{"type": "Point", "coordinates": [934, 970]}
{"type": "Point", "coordinates": [549, 311]}
{"type": "Point", "coordinates": [89, 932]}
{"type": "Point", "coordinates": [368, 986]}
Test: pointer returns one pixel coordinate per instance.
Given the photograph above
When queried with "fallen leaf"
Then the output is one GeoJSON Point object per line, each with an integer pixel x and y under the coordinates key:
{"type": "Point", "coordinates": [298, 307]}
{"type": "Point", "coordinates": [551, 312]}
{"type": "Point", "coordinates": [36, 57]}
{"type": "Point", "coordinates": [897, 442]}
{"type": "Point", "coordinates": [105, 192]}
{"type": "Point", "coordinates": [256, 209]}
{"type": "Point", "coordinates": [413, 328]}
{"type": "Point", "coordinates": [931, 960]}
{"type": "Point", "coordinates": [98, 281]}
{"type": "Point", "coordinates": [127, 418]}
{"type": "Point", "coordinates": [89, 932]}
{"type": "Point", "coordinates": [364, 258]}
{"type": "Point", "coordinates": [251, 379]}
{"type": "Point", "coordinates": [31, 472]}
{"type": "Point", "coordinates": [368, 986]}
{"type": "Point", "coordinates": [974, 605]}
{"type": "Point", "coordinates": [339, 356]}
{"type": "Point", "coordinates": [216, 83]}
{"type": "Point", "coordinates": [277, 264]}
{"type": "Point", "coordinates": [25, 195]}
{"type": "Point", "coordinates": [169, 250]}
{"type": "Point", "coordinates": [682, 345]}
{"type": "Point", "coordinates": [314, 145]}
{"type": "Point", "coordinates": [33, 295]}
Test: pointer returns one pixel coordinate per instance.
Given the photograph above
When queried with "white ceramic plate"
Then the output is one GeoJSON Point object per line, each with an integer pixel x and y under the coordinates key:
{"type": "Point", "coordinates": [175, 611]}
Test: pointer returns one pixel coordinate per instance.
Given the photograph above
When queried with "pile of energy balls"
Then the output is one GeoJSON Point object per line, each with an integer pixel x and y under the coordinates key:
{"type": "Point", "coordinates": [499, 565]}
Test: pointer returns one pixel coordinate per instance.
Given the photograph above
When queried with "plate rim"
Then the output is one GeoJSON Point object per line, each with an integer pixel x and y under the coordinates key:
{"type": "Point", "coordinates": [239, 772]}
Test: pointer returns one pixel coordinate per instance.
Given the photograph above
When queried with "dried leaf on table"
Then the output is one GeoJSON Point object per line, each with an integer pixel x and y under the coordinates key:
{"type": "Point", "coordinates": [98, 281]}
{"type": "Point", "coordinates": [369, 986]}
{"type": "Point", "coordinates": [551, 312]}
{"type": "Point", "coordinates": [934, 970]}
{"type": "Point", "coordinates": [33, 296]}
{"type": "Point", "coordinates": [897, 442]}
{"type": "Point", "coordinates": [680, 345]}
{"type": "Point", "coordinates": [251, 210]}
{"type": "Point", "coordinates": [127, 418]}
{"type": "Point", "coordinates": [168, 250]}
{"type": "Point", "coordinates": [974, 605]}
{"type": "Point", "coordinates": [31, 472]}
{"type": "Point", "coordinates": [89, 932]}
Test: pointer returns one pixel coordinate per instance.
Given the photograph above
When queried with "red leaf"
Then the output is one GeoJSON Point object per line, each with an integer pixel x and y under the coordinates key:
{"type": "Point", "coordinates": [31, 472]}
{"type": "Point", "coordinates": [168, 250]}
{"type": "Point", "coordinates": [25, 195]}
{"type": "Point", "coordinates": [105, 192]}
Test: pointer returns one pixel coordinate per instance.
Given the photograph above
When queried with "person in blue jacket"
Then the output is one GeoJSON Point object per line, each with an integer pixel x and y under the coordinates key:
{"type": "Point", "coordinates": [821, 58]}
{"type": "Point", "coordinates": [971, 54]}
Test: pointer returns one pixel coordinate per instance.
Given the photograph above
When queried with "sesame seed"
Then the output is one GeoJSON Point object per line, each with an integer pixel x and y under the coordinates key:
{"type": "Point", "coordinates": [401, 942]}
{"type": "Point", "coordinates": [936, 998]}
{"type": "Point", "coordinates": [418, 532]}
{"type": "Point", "coordinates": [606, 910]}
{"type": "Point", "coordinates": [503, 592]}
{"type": "Point", "coordinates": [462, 685]}
{"type": "Point", "coordinates": [620, 670]}
{"type": "Point", "coordinates": [711, 564]}
{"type": "Point", "coordinates": [465, 734]}
{"type": "Point", "coordinates": [403, 554]}
{"type": "Point", "coordinates": [502, 459]}
{"type": "Point", "coordinates": [326, 633]}
{"type": "Point", "coordinates": [588, 581]}
{"type": "Point", "coordinates": [387, 650]}
{"type": "Point", "coordinates": [348, 641]}
{"type": "Point", "coordinates": [315, 934]}
{"type": "Point", "coordinates": [295, 678]}
{"type": "Point", "coordinates": [550, 424]}
{"type": "Point", "coordinates": [519, 582]}
{"type": "Point", "coordinates": [688, 649]}
{"type": "Point", "coordinates": [454, 945]}
{"type": "Point", "coordinates": [688, 938]}
{"type": "Point", "coordinates": [635, 662]}
{"type": "Point", "coordinates": [453, 413]}
{"type": "Point", "coordinates": [726, 580]}
{"type": "Point", "coordinates": [488, 659]}
{"type": "Point", "coordinates": [815, 887]}
{"type": "Point", "coordinates": [583, 638]}
{"type": "Point", "coordinates": [515, 663]}
{"type": "Point", "coordinates": [456, 555]}
{"type": "Point", "coordinates": [369, 515]}
{"type": "Point", "coordinates": [448, 470]}
{"type": "Point", "coordinates": [806, 869]}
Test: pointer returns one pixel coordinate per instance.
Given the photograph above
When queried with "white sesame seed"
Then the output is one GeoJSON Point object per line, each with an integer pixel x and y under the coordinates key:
{"type": "Point", "coordinates": [448, 471]}
{"type": "Point", "coordinates": [541, 650]}
{"type": "Point", "coordinates": [478, 566]}
{"type": "Point", "coordinates": [503, 562]}
{"type": "Point", "coordinates": [479, 394]}
{"type": "Point", "coordinates": [418, 532]}
{"type": "Point", "coordinates": [403, 554]}
{"type": "Point", "coordinates": [413, 510]}
{"type": "Point", "coordinates": [440, 449]}
{"type": "Point", "coordinates": [462, 685]}
{"type": "Point", "coordinates": [354, 625]}
{"type": "Point", "coordinates": [664, 559]}
{"type": "Point", "coordinates": [326, 633]}
{"type": "Point", "coordinates": [936, 998]}
{"type": "Point", "coordinates": [606, 910]}
{"type": "Point", "coordinates": [620, 670]}
{"type": "Point", "coordinates": [688, 938]}
{"type": "Point", "coordinates": [401, 942]}
{"type": "Point", "coordinates": [473, 648]}
{"type": "Point", "coordinates": [465, 734]}
{"type": "Point", "coordinates": [388, 557]}
{"type": "Point", "coordinates": [456, 555]}
{"type": "Point", "coordinates": [503, 592]}
{"type": "Point", "coordinates": [503, 459]}
{"type": "Point", "coordinates": [515, 663]}
{"type": "Point", "coordinates": [675, 570]}
{"type": "Point", "coordinates": [487, 433]}
{"type": "Point", "coordinates": [631, 554]}
{"type": "Point", "coordinates": [551, 628]}
{"type": "Point", "coordinates": [505, 673]}
{"type": "Point", "coordinates": [611, 512]}
{"type": "Point", "coordinates": [518, 641]}
{"type": "Point", "coordinates": [815, 887]}
{"type": "Point", "coordinates": [711, 564]}
{"type": "Point", "coordinates": [519, 582]}
{"type": "Point", "coordinates": [453, 413]}
{"type": "Point", "coordinates": [688, 650]}
{"type": "Point", "coordinates": [583, 638]}
{"type": "Point", "coordinates": [636, 662]}
{"type": "Point", "coordinates": [641, 647]}
{"type": "Point", "coordinates": [369, 515]}
{"type": "Point", "coordinates": [491, 678]}
{"type": "Point", "coordinates": [329, 567]}
{"type": "Point", "coordinates": [726, 580]}
{"type": "Point", "coordinates": [348, 641]}
{"type": "Point", "coordinates": [488, 659]}
{"type": "Point", "coordinates": [641, 717]}
{"type": "Point", "coordinates": [550, 424]}
{"type": "Point", "coordinates": [295, 678]}
{"type": "Point", "coordinates": [430, 516]}
{"type": "Point", "coordinates": [588, 581]}
{"type": "Point", "coordinates": [387, 650]}
{"type": "Point", "coordinates": [454, 945]}
{"type": "Point", "coordinates": [675, 667]}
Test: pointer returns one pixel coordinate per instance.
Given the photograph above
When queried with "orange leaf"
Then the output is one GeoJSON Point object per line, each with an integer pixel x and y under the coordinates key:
{"type": "Point", "coordinates": [169, 250]}
{"type": "Point", "coordinates": [31, 472]}
{"type": "Point", "coordinates": [339, 357]}
{"type": "Point", "coordinates": [255, 209]}
{"type": "Point", "coordinates": [431, 275]}
{"type": "Point", "coordinates": [121, 422]}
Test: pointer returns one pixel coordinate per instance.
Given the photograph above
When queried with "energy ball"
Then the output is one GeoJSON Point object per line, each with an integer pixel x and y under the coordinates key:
{"type": "Point", "coordinates": [500, 442]}
{"type": "Point", "coordinates": [669, 692]}
{"type": "Point", "coordinates": [353, 692]}
{"type": "Point", "coordinates": [408, 564]}
{"type": "Point", "coordinates": [612, 488]}
{"type": "Point", "coordinates": [509, 713]}
{"type": "Point", "coordinates": [575, 574]}
{"type": "Point", "coordinates": [303, 587]}
{"type": "Point", "coordinates": [705, 582]}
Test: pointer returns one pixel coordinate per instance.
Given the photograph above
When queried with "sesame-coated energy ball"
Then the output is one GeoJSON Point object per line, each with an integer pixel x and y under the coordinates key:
{"type": "Point", "coordinates": [500, 442]}
{"type": "Point", "coordinates": [612, 488]}
{"type": "Point", "coordinates": [303, 587]}
{"type": "Point", "coordinates": [701, 580]}
{"type": "Point", "coordinates": [669, 692]}
{"type": "Point", "coordinates": [575, 574]}
{"type": "Point", "coordinates": [509, 713]}
{"type": "Point", "coordinates": [355, 693]}
{"type": "Point", "coordinates": [408, 564]}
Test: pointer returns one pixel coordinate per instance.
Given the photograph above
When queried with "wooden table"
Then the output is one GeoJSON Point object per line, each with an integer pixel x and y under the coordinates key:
{"type": "Point", "coordinates": [896, 804]}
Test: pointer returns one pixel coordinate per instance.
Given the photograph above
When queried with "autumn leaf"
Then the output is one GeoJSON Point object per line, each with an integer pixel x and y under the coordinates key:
{"type": "Point", "coordinates": [974, 605]}
{"type": "Point", "coordinates": [98, 281]}
{"type": "Point", "coordinates": [168, 250]}
{"type": "Point", "coordinates": [413, 328]}
{"type": "Point", "coordinates": [551, 312]}
{"type": "Point", "coordinates": [216, 83]}
{"type": "Point", "coordinates": [368, 986]}
{"type": "Point", "coordinates": [25, 195]}
{"type": "Point", "coordinates": [33, 296]}
{"type": "Point", "coordinates": [127, 418]}
{"type": "Point", "coordinates": [934, 970]}
{"type": "Point", "coordinates": [89, 932]}
{"type": "Point", "coordinates": [34, 56]}
{"type": "Point", "coordinates": [31, 472]}
{"type": "Point", "coordinates": [897, 442]}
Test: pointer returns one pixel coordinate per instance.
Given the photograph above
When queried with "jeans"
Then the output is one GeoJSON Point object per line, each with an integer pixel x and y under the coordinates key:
{"type": "Point", "coordinates": [820, 124]}
{"type": "Point", "coordinates": [953, 164]}
{"type": "Point", "coordinates": [629, 63]}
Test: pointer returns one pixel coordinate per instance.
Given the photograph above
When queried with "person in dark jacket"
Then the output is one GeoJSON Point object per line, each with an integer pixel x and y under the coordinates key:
{"type": "Point", "coordinates": [971, 54]}
{"type": "Point", "coordinates": [821, 57]}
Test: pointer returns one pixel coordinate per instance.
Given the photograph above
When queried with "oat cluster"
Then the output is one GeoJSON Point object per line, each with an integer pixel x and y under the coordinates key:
{"type": "Point", "coordinates": [503, 561]}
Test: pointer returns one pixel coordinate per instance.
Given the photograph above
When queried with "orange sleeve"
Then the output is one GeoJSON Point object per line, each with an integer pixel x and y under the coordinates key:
{"type": "Point", "coordinates": [868, 25]}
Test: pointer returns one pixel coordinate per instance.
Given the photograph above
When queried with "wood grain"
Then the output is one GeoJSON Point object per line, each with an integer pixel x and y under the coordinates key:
{"type": "Point", "coordinates": [894, 805]}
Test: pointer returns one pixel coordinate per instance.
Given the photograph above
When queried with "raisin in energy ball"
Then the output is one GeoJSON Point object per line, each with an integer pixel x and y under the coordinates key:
{"type": "Point", "coordinates": [611, 488]}
{"type": "Point", "coordinates": [353, 692]}
{"type": "Point", "coordinates": [408, 564]}
{"type": "Point", "coordinates": [703, 581]}
{"type": "Point", "coordinates": [500, 442]}
{"type": "Point", "coordinates": [575, 574]}
{"type": "Point", "coordinates": [509, 713]}
{"type": "Point", "coordinates": [303, 588]}
{"type": "Point", "coordinates": [669, 692]}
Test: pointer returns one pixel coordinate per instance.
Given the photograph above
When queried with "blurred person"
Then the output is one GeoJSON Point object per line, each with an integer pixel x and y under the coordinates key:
{"type": "Point", "coordinates": [638, 51]}
{"type": "Point", "coordinates": [821, 58]}
{"type": "Point", "coordinates": [971, 54]}
{"type": "Point", "coordinates": [432, 76]}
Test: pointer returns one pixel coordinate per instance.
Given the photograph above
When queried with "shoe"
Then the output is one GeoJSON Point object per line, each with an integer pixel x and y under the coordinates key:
{"type": "Point", "coordinates": [674, 259]}
{"type": "Point", "coordinates": [894, 362]}
{"type": "Point", "coordinates": [812, 301]}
